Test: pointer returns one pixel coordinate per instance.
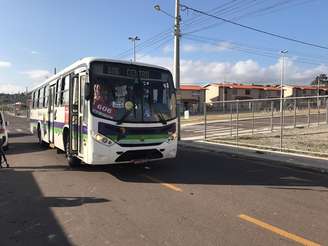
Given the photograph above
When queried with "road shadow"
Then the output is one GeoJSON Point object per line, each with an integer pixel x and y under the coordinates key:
{"type": "Point", "coordinates": [26, 217]}
{"type": "Point", "coordinates": [18, 134]}
{"type": "Point", "coordinates": [201, 167]}
{"type": "Point", "coordinates": [205, 168]}
{"type": "Point", "coordinates": [71, 201]}
{"type": "Point", "coordinates": [24, 147]}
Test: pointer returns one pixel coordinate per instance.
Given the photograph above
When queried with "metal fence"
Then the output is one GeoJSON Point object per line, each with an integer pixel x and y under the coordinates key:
{"type": "Point", "coordinates": [292, 124]}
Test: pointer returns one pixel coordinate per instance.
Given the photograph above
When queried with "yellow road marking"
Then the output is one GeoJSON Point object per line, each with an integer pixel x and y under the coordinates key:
{"type": "Point", "coordinates": [170, 186]}
{"type": "Point", "coordinates": [278, 231]}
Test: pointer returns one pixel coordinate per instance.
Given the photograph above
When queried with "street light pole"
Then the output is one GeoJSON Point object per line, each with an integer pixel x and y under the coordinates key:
{"type": "Point", "coordinates": [134, 39]}
{"type": "Point", "coordinates": [283, 52]}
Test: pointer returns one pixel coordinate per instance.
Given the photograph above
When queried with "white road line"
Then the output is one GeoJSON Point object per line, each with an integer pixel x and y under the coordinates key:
{"type": "Point", "coordinates": [19, 130]}
{"type": "Point", "coordinates": [240, 133]}
{"type": "Point", "coordinates": [216, 130]}
{"type": "Point", "coordinates": [193, 138]}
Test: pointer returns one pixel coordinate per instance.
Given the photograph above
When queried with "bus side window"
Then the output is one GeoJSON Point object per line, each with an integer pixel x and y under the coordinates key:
{"type": "Point", "coordinates": [66, 91]}
{"type": "Point", "coordinates": [44, 96]}
{"type": "Point", "coordinates": [38, 99]}
{"type": "Point", "coordinates": [33, 99]}
{"type": "Point", "coordinates": [56, 93]}
{"type": "Point", "coordinates": [41, 97]}
{"type": "Point", "coordinates": [61, 96]}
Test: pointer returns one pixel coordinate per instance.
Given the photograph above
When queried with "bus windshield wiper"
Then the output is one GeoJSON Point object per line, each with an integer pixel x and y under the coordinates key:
{"type": "Point", "coordinates": [161, 118]}
{"type": "Point", "coordinates": [126, 114]}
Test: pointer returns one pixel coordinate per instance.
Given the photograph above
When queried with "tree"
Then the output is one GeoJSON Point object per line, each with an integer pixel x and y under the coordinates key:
{"type": "Point", "coordinates": [322, 79]}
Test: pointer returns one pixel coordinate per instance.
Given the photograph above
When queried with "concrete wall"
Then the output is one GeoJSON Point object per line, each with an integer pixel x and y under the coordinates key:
{"type": "Point", "coordinates": [212, 93]}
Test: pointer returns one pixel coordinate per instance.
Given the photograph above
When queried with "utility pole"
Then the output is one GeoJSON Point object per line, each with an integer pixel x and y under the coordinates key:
{"type": "Point", "coordinates": [177, 61]}
{"type": "Point", "coordinates": [177, 35]}
{"type": "Point", "coordinates": [134, 39]}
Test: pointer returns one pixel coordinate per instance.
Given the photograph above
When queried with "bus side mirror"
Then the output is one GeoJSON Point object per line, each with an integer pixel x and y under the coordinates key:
{"type": "Point", "coordinates": [87, 91]}
{"type": "Point", "coordinates": [7, 123]}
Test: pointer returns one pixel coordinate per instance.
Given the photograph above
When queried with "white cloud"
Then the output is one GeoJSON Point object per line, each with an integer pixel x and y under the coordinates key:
{"type": "Point", "coordinates": [5, 64]}
{"type": "Point", "coordinates": [34, 52]}
{"type": "Point", "coordinates": [198, 71]}
{"type": "Point", "coordinates": [37, 75]}
{"type": "Point", "coordinates": [10, 88]}
{"type": "Point", "coordinates": [218, 47]}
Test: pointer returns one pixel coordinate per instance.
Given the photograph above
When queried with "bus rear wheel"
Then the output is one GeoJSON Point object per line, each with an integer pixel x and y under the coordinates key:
{"type": "Point", "coordinates": [73, 161]}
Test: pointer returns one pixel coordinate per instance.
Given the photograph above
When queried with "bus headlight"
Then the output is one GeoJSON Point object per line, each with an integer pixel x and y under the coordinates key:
{"type": "Point", "coordinates": [172, 136]}
{"type": "Point", "coordinates": [102, 139]}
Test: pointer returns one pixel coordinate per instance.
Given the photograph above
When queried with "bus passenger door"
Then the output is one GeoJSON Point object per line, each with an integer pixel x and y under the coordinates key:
{"type": "Point", "coordinates": [73, 114]}
{"type": "Point", "coordinates": [82, 115]}
{"type": "Point", "coordinates": [52, 114]}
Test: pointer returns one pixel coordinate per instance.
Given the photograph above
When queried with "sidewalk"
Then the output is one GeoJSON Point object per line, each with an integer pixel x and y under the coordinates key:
{"type": "Point", "coordinates": [316, 164]}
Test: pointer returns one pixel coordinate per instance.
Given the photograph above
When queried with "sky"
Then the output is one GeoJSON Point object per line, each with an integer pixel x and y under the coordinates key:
{"type": "Point", "coordinates": [38, 35]}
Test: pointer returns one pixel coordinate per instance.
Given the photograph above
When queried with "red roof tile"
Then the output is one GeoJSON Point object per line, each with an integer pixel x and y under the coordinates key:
{"type": "Point", "coordinates": [191, 88]}
{"type": "Point", "coordinates": [241, 86]}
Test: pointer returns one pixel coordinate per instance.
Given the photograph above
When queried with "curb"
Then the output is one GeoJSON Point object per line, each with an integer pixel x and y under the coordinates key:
{"type": "Point", "coordinates": [314, 164]}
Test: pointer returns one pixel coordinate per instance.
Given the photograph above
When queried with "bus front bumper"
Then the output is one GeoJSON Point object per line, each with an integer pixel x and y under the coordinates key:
{"type": "Point", "coordinates": [116, 154]}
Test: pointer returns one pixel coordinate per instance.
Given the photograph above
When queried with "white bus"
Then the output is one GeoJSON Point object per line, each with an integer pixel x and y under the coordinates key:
{"type": "Point", "coordinates": [102, 111]}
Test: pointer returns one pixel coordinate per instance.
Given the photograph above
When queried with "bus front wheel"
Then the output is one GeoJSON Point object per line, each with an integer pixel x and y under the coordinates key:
{"type": "Point", "coordinates": [73, 161]}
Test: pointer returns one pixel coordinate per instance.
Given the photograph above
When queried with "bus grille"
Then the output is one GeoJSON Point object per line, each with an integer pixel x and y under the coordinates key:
{"type": "Point", "coordinates": [133, 155]}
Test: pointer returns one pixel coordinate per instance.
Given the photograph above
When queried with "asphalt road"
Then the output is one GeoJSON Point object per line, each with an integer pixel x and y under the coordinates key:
{"type": "Point", "coordinates": [200, 198]}
{"type": "Point", "coordinates": [225, 128]}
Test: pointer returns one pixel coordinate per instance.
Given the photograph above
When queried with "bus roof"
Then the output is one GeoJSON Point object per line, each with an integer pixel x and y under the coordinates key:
{"type": "Point", "coordinates": [86, 61]}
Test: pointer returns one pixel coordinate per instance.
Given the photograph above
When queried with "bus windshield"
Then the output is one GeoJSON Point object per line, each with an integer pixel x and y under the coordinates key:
{"type": "Point", "coordinates": [126, 93]}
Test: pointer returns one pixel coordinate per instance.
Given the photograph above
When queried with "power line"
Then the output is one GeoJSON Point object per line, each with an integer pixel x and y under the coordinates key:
{"type": "Point", "coordinates": [165, 41]}
{"type": "Point", "coordinates": [291, 5]}
{"type": "Point", "coordinates": [256, 29]}
{"type": "Point", "coordinates": [230, 10]}
{"type": "Point", "coordinates": [256, 2]}
{"type": "Point", "coordinates": [249, 50]}
{"type": "Point", "coordinates": [150, 41]}
{"type": "Point", "coordinates": [166, 33]}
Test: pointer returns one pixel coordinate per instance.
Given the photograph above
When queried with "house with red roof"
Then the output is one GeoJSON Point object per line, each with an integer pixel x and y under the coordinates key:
{"type": "Point", "coordinates": [304, 90]}
{"type": "Point", "coordinates": [235, 91]}
{"type": "Point", "coordinates": [192, 98]}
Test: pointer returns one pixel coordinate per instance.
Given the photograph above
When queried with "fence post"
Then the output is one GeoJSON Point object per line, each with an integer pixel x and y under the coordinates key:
{"type": "Point", "coordinates": [295, 109]}
{"type": "Point", "coordinates": [253, 121]}
{"type": "Point", "coordinates": [205, 121]}
{"type": "Point", "coordinates": [309, 113]}
{"type": "Point", "coordinates": [231, 119]}
{"type": "Point", "coordinates": [281, 123]}
{"type": "Point", "coordinates": [271, 121]}
{"type": "Point", "coordinates": [237, 112]}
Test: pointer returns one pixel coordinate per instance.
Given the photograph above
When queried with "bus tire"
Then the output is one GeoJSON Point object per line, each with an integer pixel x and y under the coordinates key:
{"type": "Point", "coordinates": [73, 161]}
